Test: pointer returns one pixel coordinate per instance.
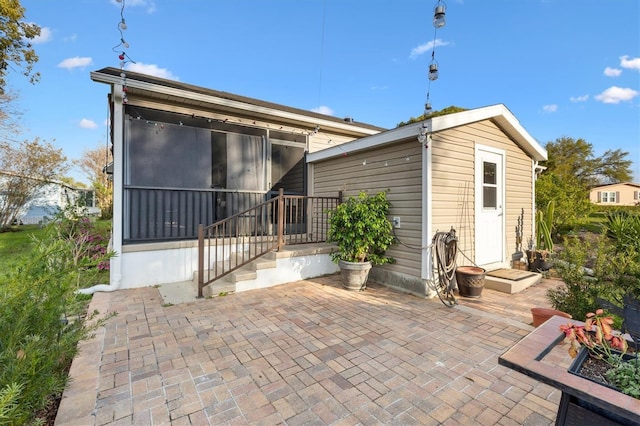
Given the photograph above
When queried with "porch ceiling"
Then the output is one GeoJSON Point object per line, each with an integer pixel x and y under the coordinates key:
{"type": "Point", "coordinates": [145, 86]}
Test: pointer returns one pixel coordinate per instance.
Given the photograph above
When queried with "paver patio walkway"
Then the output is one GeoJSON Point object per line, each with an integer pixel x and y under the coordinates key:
{"type": "Point", "coordinates": [307, 353]}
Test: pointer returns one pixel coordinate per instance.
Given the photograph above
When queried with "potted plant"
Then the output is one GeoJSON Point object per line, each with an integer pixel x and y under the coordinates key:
{"type": "Point", "coordinates": [599, 354]}
{"type": "Point", "coordinates": [538, 253]}
{"type": "Point", "coordinates": [360, 228]}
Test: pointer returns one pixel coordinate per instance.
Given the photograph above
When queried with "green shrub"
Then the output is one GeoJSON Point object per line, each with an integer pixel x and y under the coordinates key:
{"type": "Point", "coordinates": [41, 320]}
{"type": "Point", "coordinates": [361, 229]}
{"type": "Point", "coordinates": [623, 229]}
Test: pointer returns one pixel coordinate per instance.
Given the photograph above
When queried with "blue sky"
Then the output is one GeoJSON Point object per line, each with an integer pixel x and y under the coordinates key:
{"type": "Point", "coordinates": [564, 68]}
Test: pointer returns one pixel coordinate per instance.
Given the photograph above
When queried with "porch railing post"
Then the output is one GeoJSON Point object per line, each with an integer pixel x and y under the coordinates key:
{"type": "Point", "coordinates": [281, 213]}
{"type": "Point", "coordinates": [200, 259]}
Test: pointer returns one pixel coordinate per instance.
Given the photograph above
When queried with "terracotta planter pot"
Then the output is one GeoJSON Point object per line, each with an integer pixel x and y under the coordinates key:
{"type": "Point", "coordinates": [470, 280]}
{"type": "Point", "coordinates": [541, 315]}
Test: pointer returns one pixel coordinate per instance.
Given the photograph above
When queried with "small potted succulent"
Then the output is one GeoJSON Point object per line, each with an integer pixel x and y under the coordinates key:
{"type": "Point", "coordinates": [538, 252]}
{"type": "Point", "coordinates": [360, 228]}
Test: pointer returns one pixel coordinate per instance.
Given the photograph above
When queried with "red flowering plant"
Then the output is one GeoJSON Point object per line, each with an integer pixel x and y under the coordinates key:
{"type": "Point", "coordinates": [597, 336]}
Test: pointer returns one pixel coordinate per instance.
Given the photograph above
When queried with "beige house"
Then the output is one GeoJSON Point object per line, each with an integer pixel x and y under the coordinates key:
{"type": "Point", "coordinates": [186, 156]}
{"type": "Point", "coordinates": [616, 194]}
{"type": "Point", "coordinates": [474, 173]}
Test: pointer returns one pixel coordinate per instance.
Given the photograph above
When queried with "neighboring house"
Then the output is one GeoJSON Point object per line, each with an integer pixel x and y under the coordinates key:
{"type": "Point", "coordinates": [476, 175]}
{"type": "Point", "coordinates": [616, 194]}
{"type": "Point", "coordinates": [185, 155]}
{"type": "Point", "coordinates": [53, 197]}
{"type": "Point", "coordinates": [56, 196]}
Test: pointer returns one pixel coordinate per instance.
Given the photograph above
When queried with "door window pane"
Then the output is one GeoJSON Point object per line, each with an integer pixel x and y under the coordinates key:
{"type": "Point", "coordinates": [489, 173]}
{"type": "Point", "coordinates": [489, 185]}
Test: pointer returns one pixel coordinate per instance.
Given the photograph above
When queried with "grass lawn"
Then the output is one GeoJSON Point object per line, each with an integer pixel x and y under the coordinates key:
{"type": "Point", "coordinates": [18, 242]}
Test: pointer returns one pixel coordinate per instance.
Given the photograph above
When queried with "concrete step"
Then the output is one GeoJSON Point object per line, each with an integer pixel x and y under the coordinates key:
{"type": "Point", "coordinates": [511, 280]}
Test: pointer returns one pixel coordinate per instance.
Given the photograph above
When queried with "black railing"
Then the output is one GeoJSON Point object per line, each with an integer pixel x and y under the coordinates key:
{"type": "Point", "coordinates": [235, 241]}
{"type": "Point", "coordinates": [174, 214]}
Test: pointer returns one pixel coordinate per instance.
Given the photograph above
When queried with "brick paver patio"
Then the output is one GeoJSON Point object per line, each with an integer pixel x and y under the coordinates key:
{"type": "Point", "coordinates": [307, 353]}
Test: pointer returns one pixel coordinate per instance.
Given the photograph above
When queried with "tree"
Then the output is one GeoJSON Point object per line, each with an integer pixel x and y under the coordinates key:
{"type": "Point", "coordinates": [571, 170]}
{"type": "Point", "coordinates": [570, 157]}
{"type": "Point", "coordinates": [448, 110]}
{"type": "Point", "coordinates": [15, 46]}
{"type": "Point", "coordinates": [92, 164]}
{"type": "Point", "coordinates": [572, 205]}
{"type": "Point", "coordinates": [26, 168]}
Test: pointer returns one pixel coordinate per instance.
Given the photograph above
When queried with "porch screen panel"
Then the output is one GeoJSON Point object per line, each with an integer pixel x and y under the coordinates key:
{"type": "Point", "coordinates": [287, 167]}
{"type": "Point", "coordinates": [168, 156]}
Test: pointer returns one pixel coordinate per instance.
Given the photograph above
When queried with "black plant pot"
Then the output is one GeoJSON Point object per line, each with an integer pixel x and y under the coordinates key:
{"type": "Point", "coordinates": [574, 410]}
{"type": "Point", "coordinates": [537, 263]}
{"type": "Point", "coordinates": [631, 315]}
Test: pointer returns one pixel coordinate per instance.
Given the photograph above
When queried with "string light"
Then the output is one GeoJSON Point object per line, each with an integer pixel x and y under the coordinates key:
{"type": "Point", "coordinates": [439, 21]}
{"type": "Point", "coordinates": [122, 55]}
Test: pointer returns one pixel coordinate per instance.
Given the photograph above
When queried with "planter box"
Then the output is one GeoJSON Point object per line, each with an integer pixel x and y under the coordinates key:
{"type": "Point", "coordinates": [577, 411]}
{"type": "Point", "coordinates": [582, 402]}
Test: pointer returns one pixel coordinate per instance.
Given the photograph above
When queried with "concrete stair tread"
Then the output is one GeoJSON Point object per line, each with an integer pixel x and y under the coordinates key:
{"type": "Point", "coordinates": [511, 286]}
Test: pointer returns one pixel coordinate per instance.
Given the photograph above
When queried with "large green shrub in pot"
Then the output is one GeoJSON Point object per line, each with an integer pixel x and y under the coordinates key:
{"type": "Point", "coordinates": [361, 229]}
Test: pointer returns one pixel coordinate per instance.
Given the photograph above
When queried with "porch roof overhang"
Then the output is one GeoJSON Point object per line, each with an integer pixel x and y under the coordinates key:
{"type": "Point", "coordinates": [499, 114]}
{"type": "Point", "coordinates": [223, 102]}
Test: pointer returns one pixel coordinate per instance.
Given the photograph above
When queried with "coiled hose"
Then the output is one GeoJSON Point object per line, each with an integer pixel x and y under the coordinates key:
{"type": "Point", "coordinates": [445, 250]}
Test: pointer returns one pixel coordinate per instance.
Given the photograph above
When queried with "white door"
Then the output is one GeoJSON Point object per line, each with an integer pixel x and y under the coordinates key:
{"type": "Point", "coordinates": [490, 234]}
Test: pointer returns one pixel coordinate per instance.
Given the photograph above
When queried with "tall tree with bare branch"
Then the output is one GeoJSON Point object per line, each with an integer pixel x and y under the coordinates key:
{"type": "Point", "coordinates": [25, 168]}
{"type": "Point", "coordinates": [92, 164]}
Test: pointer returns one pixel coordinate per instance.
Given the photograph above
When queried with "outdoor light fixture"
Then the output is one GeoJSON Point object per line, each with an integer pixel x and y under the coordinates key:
{"type": "Point", "coordinates": [433, 71]}
{"type": "Point", "coordinates": [439, 16]}
{"type": "Point", "coordinates": [123, 25]}
{"type": "Point", "coordinates": [422, 134]}
{"type": "Point", "coordinates": [427, 108]}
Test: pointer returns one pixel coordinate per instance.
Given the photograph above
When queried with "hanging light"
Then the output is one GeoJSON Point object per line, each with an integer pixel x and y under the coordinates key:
{"type": "Point", "coordinates": [422, 134]}
{"type": "Point", "coordinates": [123, 25]}
{"type": "Point", "coordinates": [439, 16]}
{"type": "Point", "coordinates": [433, 71]}
{"type": "Point", "coordinates": [427, 108]}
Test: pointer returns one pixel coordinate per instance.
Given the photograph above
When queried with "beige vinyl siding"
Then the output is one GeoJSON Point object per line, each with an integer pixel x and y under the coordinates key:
{"type": "Point", "coordinates": [396, 168]}
{"type": "Point", "coordinates": [453, 183]}
{"type": "Point", "coordinates": [626, 194]}
{"type": "Point", "coordinates": [324, 140]}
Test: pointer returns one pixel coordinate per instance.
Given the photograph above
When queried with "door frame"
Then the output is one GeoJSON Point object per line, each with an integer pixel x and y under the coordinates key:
{"type": "Point", "coordinates": [479, 245]}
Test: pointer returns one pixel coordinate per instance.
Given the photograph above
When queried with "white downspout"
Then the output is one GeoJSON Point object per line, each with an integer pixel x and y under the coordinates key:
{"type": "Point", "coordinates": [427, 218]}
{"type": "Point", "coordinates": [115, 264]}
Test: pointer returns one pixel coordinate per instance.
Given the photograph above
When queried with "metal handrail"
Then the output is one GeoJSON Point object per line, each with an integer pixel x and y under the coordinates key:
{"type": "Point", "coordinates": [233, 242]}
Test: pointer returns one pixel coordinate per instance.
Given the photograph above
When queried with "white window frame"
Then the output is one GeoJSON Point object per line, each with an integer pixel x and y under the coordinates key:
{"type": "Point", "coordinates": [608, 197]}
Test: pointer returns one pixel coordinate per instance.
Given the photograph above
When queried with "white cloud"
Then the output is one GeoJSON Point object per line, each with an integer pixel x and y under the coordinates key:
{"type": "Point", "coordinates": [426, 47]}
{"type": "Point", "coordinates": [72, 37]}
{"type": "Point", "coordinates": [76, 62]}
{"type": "Point", "coordinates": [582, 98]}
{"type": "Point", "coordinates": [615, 95]}
{"type": "Point", "coordinates": [152, 69]}
{"type": "Point", "coordinates": [45, 35]}
{"type": "Point", "coordinates": [322, 109]}
{"type": "Point", "coordinates": [550, 108]}
{"type": "Point", "coordinates": [149, 5]}
{"type": "Point", "coordinates": [85, 123]}
{"type": "Point", "coordinates": [612, 72]}
{"type": "Point", "coordinates": [631, 63]}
